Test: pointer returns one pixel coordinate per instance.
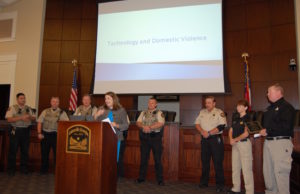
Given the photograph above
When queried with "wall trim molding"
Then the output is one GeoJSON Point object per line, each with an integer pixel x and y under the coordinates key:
{"type": "Point", "coordinates": [10, 16]}
{"type": "Point", "coordinates": [8, 67]}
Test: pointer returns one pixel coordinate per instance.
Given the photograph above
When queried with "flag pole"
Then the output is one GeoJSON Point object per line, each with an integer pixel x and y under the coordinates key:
{"type": "Point", "coordinates": [247, 92]}
{"type": "Point", "coordinates": [74, 91]}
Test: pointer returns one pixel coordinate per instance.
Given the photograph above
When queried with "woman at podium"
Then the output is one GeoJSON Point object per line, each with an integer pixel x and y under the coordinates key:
{"type": "Point", "coordinates": [113, 110]}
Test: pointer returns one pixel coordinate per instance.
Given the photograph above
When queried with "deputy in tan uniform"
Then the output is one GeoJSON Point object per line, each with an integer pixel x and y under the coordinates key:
{"type": "Point", "coordinates": [278, 123]}
{"type": "Point", "coordinates": [47, 131]}
{"type": "Point", "coordinates": [211, 123]}
{"type": "Point", "coordinates": [86, 108]}
{"type": "Point", "coordinates": [20, 116]}
{"type": "Point", "coordinates": [241, 150]}
{"type": "Point", "coordinates": [151, 123]}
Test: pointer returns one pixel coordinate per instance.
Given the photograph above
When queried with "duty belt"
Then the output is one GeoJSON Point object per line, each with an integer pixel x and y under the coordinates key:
{"type": "Point", "coordinates": [214, 136]}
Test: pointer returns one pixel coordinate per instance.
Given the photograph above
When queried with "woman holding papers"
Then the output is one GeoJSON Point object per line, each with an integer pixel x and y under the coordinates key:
{"type": "Point", "coordinates": [117, 115]}
{"type": "Point", "coordinates": [241, 150]}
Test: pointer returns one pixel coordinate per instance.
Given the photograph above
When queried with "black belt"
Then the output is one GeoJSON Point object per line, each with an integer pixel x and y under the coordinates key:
{"type": "Point", "coordinates": [214, 136]}
{"type": "Point", "coordinates": [244, 140]}
{"type": "Point", "coordinates": [152, 134]}
{"type": "Point", "coordinates": [278, 138]}
{"type": "Point", "coordinates": [49, 132]}
{"type": "Point", "coordinates": [20, 128]}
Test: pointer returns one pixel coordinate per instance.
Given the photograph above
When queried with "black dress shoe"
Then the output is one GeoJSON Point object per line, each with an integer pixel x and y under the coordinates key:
{"type": "Point", "coordinates": [25, 171]}
{"type": "Point", "coordinates": [202, 185]}
{"type": "Point", "coordinates": [161, 183]}
{"type": "Point", "coordinates": [43, 172]}
{"type": "Point", "coordinates": [11, 173]}
{"type": "Point", "coordinates": [139, 180]}
{"type": "Point", "coordinates": [220, 189]}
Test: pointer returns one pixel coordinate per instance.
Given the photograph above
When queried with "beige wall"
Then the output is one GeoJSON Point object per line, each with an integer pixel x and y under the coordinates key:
{"type": "Point", "coordinates": [27, 47]}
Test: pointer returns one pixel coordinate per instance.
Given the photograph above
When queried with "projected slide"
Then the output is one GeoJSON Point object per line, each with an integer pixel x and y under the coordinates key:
{"type": "Point", "coordinates": [164, 47]}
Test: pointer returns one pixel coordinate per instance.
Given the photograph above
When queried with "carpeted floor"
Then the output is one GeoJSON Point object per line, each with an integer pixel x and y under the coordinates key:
{"type": "Point", "coordinates": [44, 184]}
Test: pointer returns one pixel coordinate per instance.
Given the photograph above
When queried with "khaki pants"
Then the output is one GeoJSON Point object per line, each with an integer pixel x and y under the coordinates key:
{"type": "Point", "coordinates": [277, 165]}
{"type": "Point", "coordinates": [242, 160]}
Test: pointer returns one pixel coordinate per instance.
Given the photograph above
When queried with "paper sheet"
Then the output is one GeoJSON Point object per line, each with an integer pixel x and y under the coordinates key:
{"type": "Point", "coordinates": [107, 120]}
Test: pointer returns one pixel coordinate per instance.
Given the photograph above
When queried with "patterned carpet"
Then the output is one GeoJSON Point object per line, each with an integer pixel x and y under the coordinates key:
{"type": "Point", "coordinates": [44, 184]}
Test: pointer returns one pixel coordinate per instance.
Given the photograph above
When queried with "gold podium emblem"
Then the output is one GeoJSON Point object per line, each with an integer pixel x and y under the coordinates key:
{"type": "Point", "coordinates": [78, 139]}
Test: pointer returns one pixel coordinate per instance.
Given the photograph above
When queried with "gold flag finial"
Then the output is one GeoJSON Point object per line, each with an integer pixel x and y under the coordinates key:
{"type": "Point", "coordinates": [245, 55]}
{"type": "Point", "coordinates": [74, 62]}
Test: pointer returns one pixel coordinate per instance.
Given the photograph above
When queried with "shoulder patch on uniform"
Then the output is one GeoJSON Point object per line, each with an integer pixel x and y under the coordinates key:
{"type": "Point", "coordinates": [162, 115]}
{"type": "Point", "coordinates": [9, 108]}
{"type": "Point", "coordinates": [222, 114]}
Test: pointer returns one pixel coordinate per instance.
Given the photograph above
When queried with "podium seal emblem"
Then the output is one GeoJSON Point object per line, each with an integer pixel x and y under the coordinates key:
{"type": "Point", "coordinates": [78, 139]}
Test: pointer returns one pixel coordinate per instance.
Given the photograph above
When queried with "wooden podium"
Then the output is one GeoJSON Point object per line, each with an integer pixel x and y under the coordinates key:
{"type": "Point", "coordinates": [86, 158]}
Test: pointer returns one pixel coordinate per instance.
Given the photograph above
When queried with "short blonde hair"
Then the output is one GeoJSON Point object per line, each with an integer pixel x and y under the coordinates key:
{"type": "Point", "coordinates": [278, 87]}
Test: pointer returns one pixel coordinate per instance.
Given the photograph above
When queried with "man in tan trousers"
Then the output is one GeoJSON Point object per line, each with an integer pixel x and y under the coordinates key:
{"type": "Point", "coordinates": [278, 126]}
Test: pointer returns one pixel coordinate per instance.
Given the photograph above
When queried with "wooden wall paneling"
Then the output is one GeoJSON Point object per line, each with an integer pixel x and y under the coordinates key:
{"type": "Point", "coordinates": [69, 51]}
{"type": "Point", "coordinates": [66, 73]}
{"type": "Point", "coordinates": [259, 92]}
{"type": "Point", "coordinates": [282, 12]}
{"type": "Point", "coordinates": [258, 14]}
{"type": "Point", "coordinates": [88, 52]}
{"type": "Point", "coordinates": [189, 155]}
{"type": "Point", "coordinates": [98, 100]}
{"type": "Point", "coordinates": [235, 43]}
{"type": "Point", "coordinates": [54, 9]}
{"type": "Point", "coordinates": [172, 145]}
{"type": "Point", "coordinates": [71, 29]}
{"type": "Point", "coordinates": [283, 37]}
{"type": "Point", "coordinates": [53, 29]}
{"type": "Point", "coordinates": [189, 109]}
{"type": "Point", "coordinates": [85, 72]}
{"type": "Point", "coordinates": [73, 9]}
{"type": "Point", "coordinates": [191, 102]}
{"type": "Point", "coordinates": [237, 91]}
{"type": "Point", "coordinates": [296, 141]}
{"type": "Point", "coordinates": [235, 69]}
{"type": "Point", "coordinates": [84, 90]}
{"type": "Point", "coordinates": [89, 30]}
{"type": "Point", "coordinates": [49, 74]}
{"type": "Point", "coordinates": [64, 92]}
{"type": "Point", "coordinates": [90, 9]}
{"type": "Point", "coordinates": [280, 66]}
{"type": "Point", "coordinates": [260, 66]}
{"type": "Point", "coordinates": [220, 103]}
{"type": "Point", "coordinates": [259, 41]}
{"type": "Point", "coordinates": [129, 102]}
{"type": "Point", "coordinates": [234, 17]}
{"type": "Point", "coordinates": [46, 91]}
{"type": "Point", "coordinates": [51, 51]}
{"type": "Point", "coordinates": [291, 94]}
{"type": "Point", "coordinates": [257, 149]}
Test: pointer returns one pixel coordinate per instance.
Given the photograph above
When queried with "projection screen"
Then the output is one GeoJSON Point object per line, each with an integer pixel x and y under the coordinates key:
{"type": "Point", "coordinates": [159, 47]}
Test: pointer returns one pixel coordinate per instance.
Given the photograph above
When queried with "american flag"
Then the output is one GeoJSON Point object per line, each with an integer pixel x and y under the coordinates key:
{"type": "Point", "coordinates": [247, 94]}
{"type": "Point", "coordinates": [74, 92]}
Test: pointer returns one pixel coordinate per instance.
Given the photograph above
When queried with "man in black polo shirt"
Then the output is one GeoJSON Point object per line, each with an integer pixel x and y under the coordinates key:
{"type": "Point", "coordinates": [278, 125]}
